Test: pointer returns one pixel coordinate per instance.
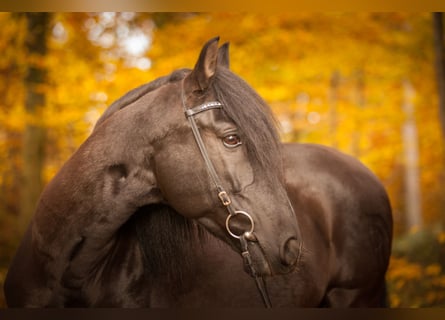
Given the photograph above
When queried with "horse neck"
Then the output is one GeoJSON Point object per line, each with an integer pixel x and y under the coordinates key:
{"type": "Point", "coordinates": [91, 197]}
{"type": "Point", "coordinates": [81, 211]}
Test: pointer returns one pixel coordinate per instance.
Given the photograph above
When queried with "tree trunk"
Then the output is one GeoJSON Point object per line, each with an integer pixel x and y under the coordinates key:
{"type": "Point", "coordinates": [413, 203]}
{"type": "Point", "coordinates": [333, 101]}
{"type": "Point", "coordinates": [34, 135]}
{"type": "Point", "coordinates": [440, 64]}
{"type": "Point", "coordinates": [359, 101]}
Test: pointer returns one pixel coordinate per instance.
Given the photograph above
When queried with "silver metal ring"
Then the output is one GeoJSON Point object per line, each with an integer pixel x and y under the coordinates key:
{"type": "Point", "coordinates": [230, 216]}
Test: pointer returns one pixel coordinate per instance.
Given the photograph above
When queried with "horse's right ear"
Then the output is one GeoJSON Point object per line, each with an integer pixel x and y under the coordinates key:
{"type": "Point", "coordinates": [205, 67]}
{"type": "Point", "coordinates": [223, 55]}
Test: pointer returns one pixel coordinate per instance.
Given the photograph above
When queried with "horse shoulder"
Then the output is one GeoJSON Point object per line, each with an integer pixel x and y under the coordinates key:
{"type": "Point", "coordinates": [343, 204]}
{"type": "Point", "coordinates": [341, 183]}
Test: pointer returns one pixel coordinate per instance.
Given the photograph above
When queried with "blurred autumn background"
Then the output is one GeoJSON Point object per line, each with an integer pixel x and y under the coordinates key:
{"type": "Point", "coordinates": [365, 83]}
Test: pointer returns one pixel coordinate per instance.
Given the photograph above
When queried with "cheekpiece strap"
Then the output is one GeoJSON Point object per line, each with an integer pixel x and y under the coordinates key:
{"type": "Point", "coordinates": [203, 107]}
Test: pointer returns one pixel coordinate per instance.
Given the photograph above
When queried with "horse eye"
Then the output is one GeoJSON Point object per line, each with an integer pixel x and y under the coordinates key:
{"type": "Point", "coordinates": [232, 141]}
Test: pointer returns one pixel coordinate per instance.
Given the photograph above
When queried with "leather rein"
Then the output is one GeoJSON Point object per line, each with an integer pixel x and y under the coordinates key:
{"type": "Point", "coordinates": [225, 198]}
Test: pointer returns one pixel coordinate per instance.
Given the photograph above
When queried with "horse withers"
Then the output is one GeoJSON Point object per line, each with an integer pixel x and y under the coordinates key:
{"type": "Point", "coordinates": [183, 193]}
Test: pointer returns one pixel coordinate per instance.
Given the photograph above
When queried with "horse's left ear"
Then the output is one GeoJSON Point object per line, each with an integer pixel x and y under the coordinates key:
{"type": "Point", "coordinates": [205, 67]}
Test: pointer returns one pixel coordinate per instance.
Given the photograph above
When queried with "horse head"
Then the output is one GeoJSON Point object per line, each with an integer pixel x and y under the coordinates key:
{"type": "Point", "coordinates": [226, 173]}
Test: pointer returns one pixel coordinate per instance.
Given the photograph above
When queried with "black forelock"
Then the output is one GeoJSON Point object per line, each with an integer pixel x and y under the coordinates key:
{"type": "Point", "coordinates": [253, 118]}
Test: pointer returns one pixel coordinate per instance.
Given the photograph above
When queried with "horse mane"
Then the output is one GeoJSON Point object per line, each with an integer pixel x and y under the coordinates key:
{"type": "Point", "coordinates": [254, 119]}
{"type": "Point", "coordinates": [167, 241]}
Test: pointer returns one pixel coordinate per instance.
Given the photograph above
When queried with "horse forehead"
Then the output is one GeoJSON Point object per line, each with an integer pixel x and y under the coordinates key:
{"type": "Point", "coordinates": [215, 120]}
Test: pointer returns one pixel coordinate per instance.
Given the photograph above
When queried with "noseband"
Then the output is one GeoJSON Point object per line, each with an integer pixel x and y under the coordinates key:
{"type": "Point", "coordinates": [224, 196]}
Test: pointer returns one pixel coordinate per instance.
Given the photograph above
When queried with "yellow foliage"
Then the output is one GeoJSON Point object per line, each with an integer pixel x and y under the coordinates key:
{"type": "Point", "coordinates": [402, 270]}
{"type": "Point", "coordinates": [413, 285]}
{"type": "Point", "coordinates": [433, 270]}
{"type": "Point", "coordinates": [441, 237]}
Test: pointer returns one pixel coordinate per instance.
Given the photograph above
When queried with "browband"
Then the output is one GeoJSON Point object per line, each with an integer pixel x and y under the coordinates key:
{"type": "Point", "coordinates": [203, 107]}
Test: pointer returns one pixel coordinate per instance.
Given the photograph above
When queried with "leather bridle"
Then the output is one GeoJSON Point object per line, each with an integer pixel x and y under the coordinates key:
{"type": "Point", "coordinates": [224, 196]}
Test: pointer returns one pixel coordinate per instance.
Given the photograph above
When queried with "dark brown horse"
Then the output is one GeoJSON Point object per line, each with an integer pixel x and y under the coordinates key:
{"type": "Point", "coordinates": [178, 178]}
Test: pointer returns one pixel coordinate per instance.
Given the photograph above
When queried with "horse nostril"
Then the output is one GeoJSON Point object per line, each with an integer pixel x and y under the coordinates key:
{"type": "Point", "coordinates": [290, 252]}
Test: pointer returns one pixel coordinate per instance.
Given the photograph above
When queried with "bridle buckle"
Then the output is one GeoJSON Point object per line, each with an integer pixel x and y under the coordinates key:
{"type": "Point", "coordinates": [224, 197]}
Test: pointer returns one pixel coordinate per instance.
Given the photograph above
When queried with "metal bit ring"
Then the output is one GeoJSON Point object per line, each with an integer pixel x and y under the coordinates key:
{"type": "Point", "coordinates": [244, 213]}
